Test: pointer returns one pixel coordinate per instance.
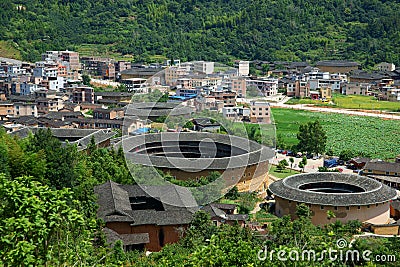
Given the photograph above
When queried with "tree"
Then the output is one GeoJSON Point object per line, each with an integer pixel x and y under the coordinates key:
{"type": "Point", "coordinates": [282, 165]}
{"type": "Point", "coordinates": [233, 194]}
{"type": "Point", "coordinates": [330, 215]}
{"type": "Point", "coordinates": [291, 163]}
{"type": "Point", "coordinates": [121, 88]}
{"type": "Point", "coordinates": [346, 154]}
{"type": "Point", "coordinates": [303, 163]}
{"type": "Point", "coordinates": [38, 225]}
{"type": "Point", "coordinates": [86, 79]}
{"type": "Point", "coordinates": [189, 125]}
{"type": "Point", "coordinates": [312, 138]}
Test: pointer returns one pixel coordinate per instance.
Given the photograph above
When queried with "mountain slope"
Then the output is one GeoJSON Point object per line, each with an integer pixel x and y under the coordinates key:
{"type": "Point", "coordinates": [367, 31]}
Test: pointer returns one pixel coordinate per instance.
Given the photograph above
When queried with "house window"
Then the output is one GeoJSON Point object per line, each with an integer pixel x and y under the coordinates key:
{"type": "Point", "coordinates": [368, 206]}
{"type": "Point", "coordinates": [347, 208]}
{"type": "Point", "coordinates": [322, 207]}
{"type": "Point", "coordinates": [335, 208]}
{"type": "Point", "coordinates": [387, 173]}
{"type": "Point", "coordinates": [359, 207]}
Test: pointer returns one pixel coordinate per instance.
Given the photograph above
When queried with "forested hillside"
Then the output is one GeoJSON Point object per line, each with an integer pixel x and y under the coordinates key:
{"type": "Point", "coordinates": [362, 30]}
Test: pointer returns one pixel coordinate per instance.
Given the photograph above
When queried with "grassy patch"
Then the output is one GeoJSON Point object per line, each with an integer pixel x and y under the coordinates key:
{"type": "Point", "coordinates": [263, 216]}
{"type": "Point", "coordinates": [101, 50]}
{"type": "Point", "coordinates": [364, 102]}
{"type": "Point", "coordinates": [9, 51]}
{"type": "Point", "coordinates": [278, 174]}
{"type": "Point", "coordinates": [305, 101]}
{"type": "Point", "coordinates": [376, 137]}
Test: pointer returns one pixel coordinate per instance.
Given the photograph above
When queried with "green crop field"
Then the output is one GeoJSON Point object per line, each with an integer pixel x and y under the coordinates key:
{"type": "Point", "coordinates": [376, 137]}
{"type": "Point", "coordinates": [364, 102]}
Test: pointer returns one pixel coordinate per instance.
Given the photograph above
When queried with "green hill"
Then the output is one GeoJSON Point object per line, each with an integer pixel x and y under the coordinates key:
{"type": "Point", "coordinates": [362, 30]}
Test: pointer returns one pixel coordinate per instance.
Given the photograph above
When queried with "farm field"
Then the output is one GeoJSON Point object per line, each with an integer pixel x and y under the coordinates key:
{"type": "Point", "coordinates": [375, 137]}
{"type": "Point", "coordinates": [364, 102]}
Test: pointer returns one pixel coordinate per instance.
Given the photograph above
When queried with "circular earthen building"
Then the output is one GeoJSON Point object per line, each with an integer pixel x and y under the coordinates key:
{"type": "Point", "coordinates": [348, 196]}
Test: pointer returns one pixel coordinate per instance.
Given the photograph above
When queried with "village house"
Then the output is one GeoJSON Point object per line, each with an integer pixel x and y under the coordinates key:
{"type": "Point", "coordinates": [260, 112]}
{"type": "Point", "coordinates": [385, 172]}
{"type": "Point", "coordinates": [228, 97]}
{"type": "Point", "coordinates": [266, 86]}
{"type": "Point", "coordinates": [102, 113]}
{"type": "Point", "coordinates": [236, 113]}
{"type": "Point", "coordinates": [6, 110]}
{"type": "Point", "coordinates": [225, 214]}
{"type": "Point", "coordinates": [145, 217]}
{"type": "Point", "coordinates": [355, 88]}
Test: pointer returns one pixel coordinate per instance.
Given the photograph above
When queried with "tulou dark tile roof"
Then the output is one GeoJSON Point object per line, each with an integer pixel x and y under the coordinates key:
{"type": "Point", "coordinates": [127, 239]}
{"type": "Point", "coordinates": [80, 137]}
{"type": "Point", "coordinates": [216, 210]}
{"type": "Point", "coordinates": [250, 152]}
{"type": "Point", "coordinates": [371, 191]}
{"type": "Point", "coordinates": [159, 205]}
{"type": "Point", "coordinates": [383, 166]}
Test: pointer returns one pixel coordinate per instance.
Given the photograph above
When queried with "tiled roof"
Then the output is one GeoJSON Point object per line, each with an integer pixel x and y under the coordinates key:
{"type": "Point", "coordinates": [215, 210]}
{"type": "Point", "coordinates": [177, 204]}
{"type": "Point", "coordinates": [373, 191]}
{"type": "Point", "coordinates": [382, 166]}
{"type": "Point", "coordinates": [337, 63]}
{"type": "Point", "coordinates": [127, 239]}
{"type": "Point", "coordinates": [84, 135]}
{"type": "Point", "coordinates": [154, 109]}
{"type": "Point", "coordinates": [254, 153]}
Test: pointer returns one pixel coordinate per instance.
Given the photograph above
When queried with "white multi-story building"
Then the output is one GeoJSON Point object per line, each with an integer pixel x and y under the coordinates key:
{"type": "Point", "coordinates": [320, 83]}
{"type": "Point", "coordinates": [136, 85]}
{"type": "Point", "coordinates": [267, 86]}
{"type": "Point", "coordinates": [203, 66]}
{"type": "Point", "coordinates": [244, 68]}
{"type": "Point", "coordinates": [236, 113]}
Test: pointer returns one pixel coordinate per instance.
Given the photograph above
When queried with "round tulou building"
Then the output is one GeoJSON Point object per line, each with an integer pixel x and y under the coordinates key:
{"type": "Point", "coordinates": [191, 155]}
{"type": "Point", "coordinates": [348, 196]}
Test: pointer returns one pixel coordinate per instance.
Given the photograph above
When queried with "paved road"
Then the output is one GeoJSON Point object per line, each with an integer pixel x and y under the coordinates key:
{"type": "Point", "coordinates": [368, 113]}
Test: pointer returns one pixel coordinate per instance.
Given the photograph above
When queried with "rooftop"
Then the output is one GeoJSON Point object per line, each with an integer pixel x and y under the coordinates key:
{"type": "Point", "coordinates": [141, 205]}
{"type": "Point", "coordinates": [332, 189]}
{"type": "Point", "coordinates": [382, 166]}
{"type": "Point", "coordinates": [337, 63]}
{"type": "Point", "coordinates": [194, 151]}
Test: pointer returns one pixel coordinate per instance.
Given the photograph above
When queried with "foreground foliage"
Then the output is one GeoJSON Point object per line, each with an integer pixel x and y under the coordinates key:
{"type": "Point", "coordinates": [46, 220]}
